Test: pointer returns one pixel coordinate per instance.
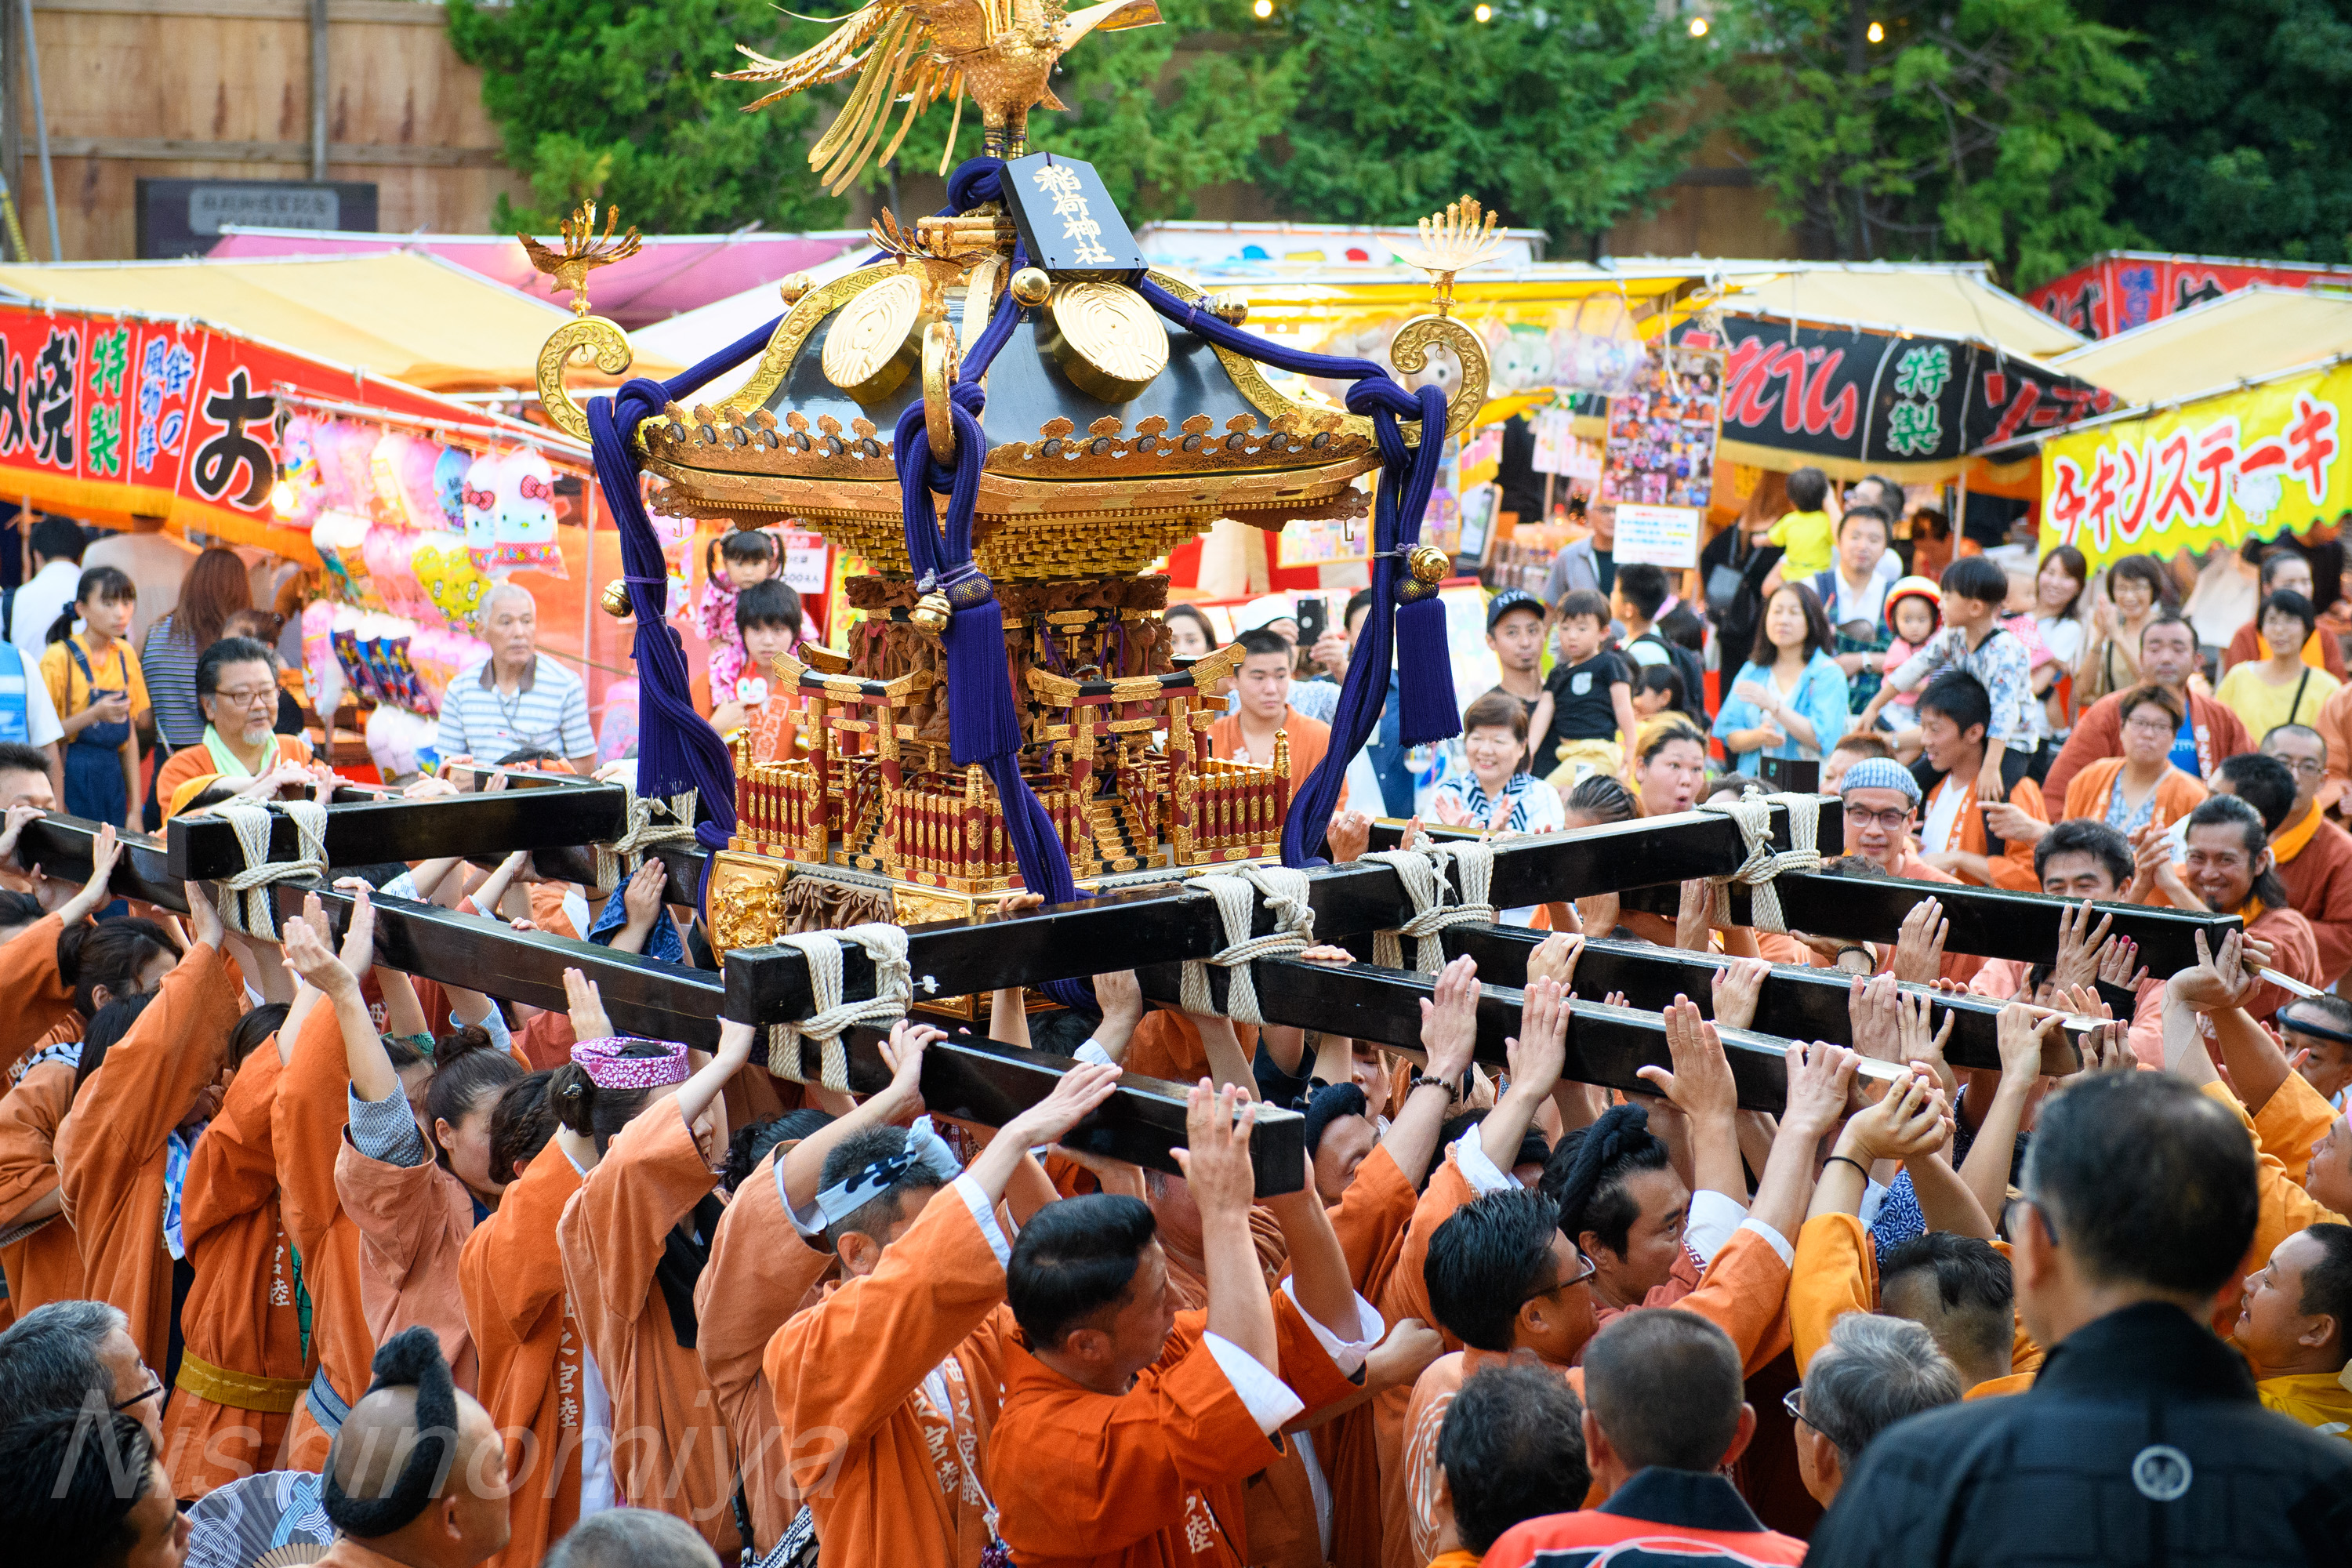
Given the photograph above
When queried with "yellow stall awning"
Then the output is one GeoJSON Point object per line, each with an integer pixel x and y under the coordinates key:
{"type": "Point", "coordinates": [2247, 335]}
{"type": "Point", "coordinates": [399, 314]}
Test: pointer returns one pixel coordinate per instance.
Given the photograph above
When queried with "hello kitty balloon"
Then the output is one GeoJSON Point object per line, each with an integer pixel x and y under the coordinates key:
{"type": "Point", "coordinates": [480, 509]}
{"type": "Point", "coordinates": [526, 515]}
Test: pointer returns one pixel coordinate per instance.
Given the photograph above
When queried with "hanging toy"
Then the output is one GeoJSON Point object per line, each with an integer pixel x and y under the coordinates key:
{"type": "Point", "coordinates": [480, 499]}
{"type": "Point", "coordinates": [452, 583]}
{"type": "Point", "coordinates": [526, 515]}
{"type": "Point", "coordinates": [450, 487]}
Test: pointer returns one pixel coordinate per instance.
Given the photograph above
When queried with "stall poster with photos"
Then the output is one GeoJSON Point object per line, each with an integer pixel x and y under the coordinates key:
{"type": "Point", "coordinates": [1662, 434]}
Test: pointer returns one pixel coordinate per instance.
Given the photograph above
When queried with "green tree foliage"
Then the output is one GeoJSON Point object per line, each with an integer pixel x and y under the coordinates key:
{"type": "Point", "coordinates": [1564, 115]}
{"type": "Point", "coordinates": [612, 100]}
{"type": "Point", "coordinates": [2242, 134]}
{"type": "Point", "coordinates": [1158, 112]}
{"type": "Point", "coordinates": [1976, 128]}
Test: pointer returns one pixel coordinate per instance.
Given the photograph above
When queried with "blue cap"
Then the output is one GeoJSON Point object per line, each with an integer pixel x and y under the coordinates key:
{"type": "Point", "coordinates": [1880, 772]}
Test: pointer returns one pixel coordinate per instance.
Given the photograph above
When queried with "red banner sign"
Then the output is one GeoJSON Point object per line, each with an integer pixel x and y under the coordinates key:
{"type": "Point", "coordinates": [2123, 289]}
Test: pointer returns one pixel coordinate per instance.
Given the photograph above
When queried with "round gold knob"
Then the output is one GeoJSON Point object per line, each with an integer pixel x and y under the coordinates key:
{"type": "Point", "coordinates": [1429, 564]}
{"type": "Point", "coordinates": [1229, 308]}
{"type": "Point", "coordinates": [1031, 285]}
{"type": "Point", "coordinates": [795, 286]}
{"type": "Point", "coordinates": [930, 614]}
{"type": "Point", "coordinates": [616, 599]}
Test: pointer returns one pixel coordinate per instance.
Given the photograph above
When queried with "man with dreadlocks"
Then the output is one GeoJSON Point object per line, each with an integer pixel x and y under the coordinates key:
{"type": "Point", "coordinates": [416, 1478]}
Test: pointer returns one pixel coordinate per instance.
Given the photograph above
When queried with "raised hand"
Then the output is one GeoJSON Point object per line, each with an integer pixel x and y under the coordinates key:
{"type": "Point", "coordinates": [1872, 1009]}
{"type": "Point", "coordinates": [1905, 1122]}
{"type": "Point", "coordinates": [204, 921]}
{"type": "Point", "coordinates": [2215, 982]}
{"type": "Point", "coordinates": [1821, 1081]}
{"type": "Point", "coordinates": [308, 954]}
{"type": "Point", "coordinates": [104, 851]}
{"type": "Point", "coordinates": [2119, 964]}
{"type": "Point", "coordinates": [1555, 957]}
{"type": "Point", "coordinates": [1449, 1021]}
{"type": "Point", "coordinates": [1216, 1158]}
{"type": "Point", "coordinates": [1737, 987]}
{"type": "Point", "coordinates": [1920, 944]}
{"type": "Point", "coordinates": [586, 1005]}
{"type": "Point", "coordinates": [1540, 1050]}
{"type": "Point", "coordinates": [1700, 1085]}
{"type": "Point", "coordinates": [1082, 1088]}
{"type": "Point", "coordinates": [1921, 1046]}
{"type": "Point", "coordinates": [1350, 835]}
{"type": "Point", "coordinates": [902, 1053]}
{"type": "Point", "coordinates": [359, 937]}
{"type": "Point", "coordinates": [17, 817]}
{"type": "Point", "coordinates": [2079, 944]}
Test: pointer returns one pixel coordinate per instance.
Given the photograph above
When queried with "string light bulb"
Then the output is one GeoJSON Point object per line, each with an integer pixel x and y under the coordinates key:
{"type": "Point", "coordinates": [1877, 33]}
{"type": "Point", "coordinates": [1263, 9]}
{"type": "Point", "coordinates": [1485, 13]}
{"type": "Point", "coordinates": [1698, 26]}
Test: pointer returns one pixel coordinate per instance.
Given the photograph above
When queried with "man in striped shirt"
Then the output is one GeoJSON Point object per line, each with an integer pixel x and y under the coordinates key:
{"type": "Point", "coordinates": [515, 700]}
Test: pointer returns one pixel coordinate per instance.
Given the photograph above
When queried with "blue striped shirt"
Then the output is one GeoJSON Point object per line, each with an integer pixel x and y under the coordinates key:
{"type": "Point", "coordinates": [551, 713]}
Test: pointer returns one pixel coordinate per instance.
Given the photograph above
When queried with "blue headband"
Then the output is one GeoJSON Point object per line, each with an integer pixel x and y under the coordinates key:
{"type": "Point", "coordinates": [923, 1152]}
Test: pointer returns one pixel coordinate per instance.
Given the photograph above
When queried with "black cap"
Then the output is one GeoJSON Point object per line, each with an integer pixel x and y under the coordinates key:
{"type": "Point", "coordinates": [1510, 599]}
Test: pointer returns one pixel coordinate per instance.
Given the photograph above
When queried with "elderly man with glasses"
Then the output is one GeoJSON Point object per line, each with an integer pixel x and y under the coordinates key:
{"type": "Point", "coordinates": [2314, 855]}
{"type": "Point", "coordinates": [68, 1355]}
{"type": "Point", "coordinates": [237, 689]}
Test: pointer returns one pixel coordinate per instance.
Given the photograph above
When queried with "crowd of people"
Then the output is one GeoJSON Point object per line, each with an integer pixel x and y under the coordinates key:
{"type": "Point", "coordinates": [305, 1254]}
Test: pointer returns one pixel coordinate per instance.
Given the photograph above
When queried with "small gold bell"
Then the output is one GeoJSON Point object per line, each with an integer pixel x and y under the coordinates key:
{"type": "Point", "coordinates": [1429, 564]}
{"type": "Point", "coordinates": [616, 599]}
{"type": "Point", "coordinates": [1229, 308]}
{"type": "Point", "coordinates": [1031, 285]}
{"type": "Point", "coordinates": [793, 287]}
{"type": "Point", "coordinates": [930, 614]}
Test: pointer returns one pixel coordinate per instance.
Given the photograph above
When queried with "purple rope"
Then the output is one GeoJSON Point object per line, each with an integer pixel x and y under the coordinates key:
{"type": "Point", "coordinates": [1417, 626]}
{"type": "Point", "coordinates": [676, 747]}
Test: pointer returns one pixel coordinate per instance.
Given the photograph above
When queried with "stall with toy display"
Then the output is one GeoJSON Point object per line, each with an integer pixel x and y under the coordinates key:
{"type": "Point", "coordinates": [411, 533]}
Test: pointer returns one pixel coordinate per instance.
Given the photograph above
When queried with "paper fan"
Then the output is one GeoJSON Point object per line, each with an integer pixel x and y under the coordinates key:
{"type": "Point", "coordinates": [269, 1520]}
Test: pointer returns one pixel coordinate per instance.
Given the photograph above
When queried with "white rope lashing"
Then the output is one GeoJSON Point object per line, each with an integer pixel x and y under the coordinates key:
{"type": "Point", "coordinates": [1423, 872]}
{"type": "Point", "coordinates": [1753, 814]}
{"type": "Point", "coordinates": [1236, 896]}
{"type": "Point", "coordinates": [246, 907]}
{"type": "Point", "coordinates": [894, 988]}
{"type": "Point", "coordinates": [638, 833]}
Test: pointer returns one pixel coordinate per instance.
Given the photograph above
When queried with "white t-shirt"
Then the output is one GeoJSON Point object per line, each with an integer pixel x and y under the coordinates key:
{"type": "Point", "coordinates": [1865, 604]}
{"type": "Point", "coordinates": [1944, 808]}
{"type": "Point", "coordinates": [156, 562]}
{"type": "Point", "coordinates": [38, 603]}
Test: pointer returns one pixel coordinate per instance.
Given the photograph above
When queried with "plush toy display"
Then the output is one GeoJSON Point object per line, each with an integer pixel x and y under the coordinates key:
{"type": "Point", "coordinates": [525, 525]}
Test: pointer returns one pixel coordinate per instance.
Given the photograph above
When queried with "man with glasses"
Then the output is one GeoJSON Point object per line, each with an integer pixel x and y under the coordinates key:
{"type": "Point", "coordinates": [67, 1355]}
{"type": "Point", "coordinates": [237, 689]}
{"type": "Point", "coordinates": [2315, 856]}
{"type": "Point", "coordinates": [2143, 1441]}
{"type": "Point", "coordinates": [1874, 1371]}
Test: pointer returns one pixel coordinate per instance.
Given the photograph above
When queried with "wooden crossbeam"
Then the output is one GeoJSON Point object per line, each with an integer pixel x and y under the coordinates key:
{"type": "Point", "coordinates": [1795, 1003]}
{"type": "Point", "coordinates": [1988, 923]}
{"type": "Point", "coordinates": [969, 1077]}
{"type": "Point", "coordinates": [1605, 1045]}
{"type": "Point", "coordinates": [535, 812]}
{"type": "Point", "coordinates": [1160, 923]}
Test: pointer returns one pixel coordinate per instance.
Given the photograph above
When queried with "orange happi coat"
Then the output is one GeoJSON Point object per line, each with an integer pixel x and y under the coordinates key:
{"type": "Point", "coordinates": [1149, 1479]}
{"type": "Point", "coordinates": [413, 1222]}
{"type": "Point", "coordinates": [671, 1446]}
{"type": "Point", "coordinates": [759, 1274]}
{"type": "Point", "coordinates": [36, 996]}
{"type": "Point", "coordinates": [306, 1129]}
{"type": "Point", "coordinates": [42, 1263]}
{"type": "Point", "coordinates": [888, 1390]}
{"type": "Point", "coordinates": [112, 1153]}
{"type": "Point", "coordinates": [243, 1317]}
{"type": "Point", "coordinates": [532, 1378]}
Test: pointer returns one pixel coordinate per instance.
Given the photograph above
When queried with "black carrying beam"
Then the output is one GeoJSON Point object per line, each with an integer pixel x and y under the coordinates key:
{"type": "Point", "coordinates": [1989, 923]}
{"type": "Point", "coordinates": [59, 847]}
{"type": "Point", "coordinates": [375, 831]}
{"type": "Point", "coordinates": [1155, 923]}
{"type": "Point", "coordinates": [971, 1078]}
{"type": "Point", "coordinates": [1794, 1003]}
{"type": "Point", "coordinates": [1605, 1045]}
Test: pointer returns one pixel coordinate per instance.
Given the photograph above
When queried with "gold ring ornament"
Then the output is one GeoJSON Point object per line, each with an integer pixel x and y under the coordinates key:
{"type": "Point", "coordinates": [876, 340]}
{"type": "Point", "coordinates": [1410, 353]}
{"type": "Point", "coordinates": [1106, 337]}
{"type": "Point", "coordinates": [941, 362]}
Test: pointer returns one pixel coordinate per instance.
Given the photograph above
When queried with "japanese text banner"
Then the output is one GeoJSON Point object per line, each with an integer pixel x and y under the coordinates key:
{"type": "Point", "coordinates": [2223, 470]}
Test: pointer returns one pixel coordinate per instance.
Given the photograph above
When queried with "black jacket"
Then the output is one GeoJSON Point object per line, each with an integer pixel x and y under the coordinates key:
{"type": "Point", "coordinates": [2141, 1442]}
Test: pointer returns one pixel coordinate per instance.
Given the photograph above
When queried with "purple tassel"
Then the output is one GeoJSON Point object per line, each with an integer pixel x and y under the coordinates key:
{"type": "Point", "coordinates": [1425, 709]}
